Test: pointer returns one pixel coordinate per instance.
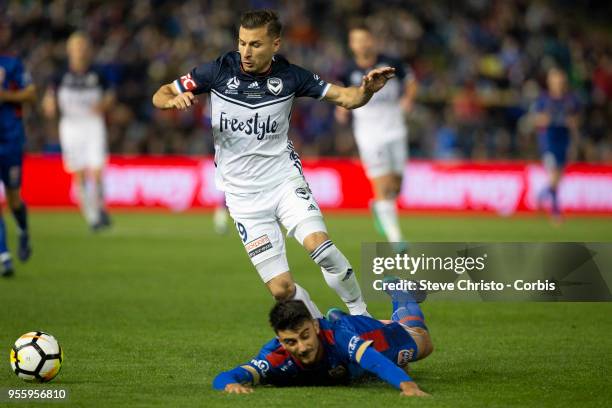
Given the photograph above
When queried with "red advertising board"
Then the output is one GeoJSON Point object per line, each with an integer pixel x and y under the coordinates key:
{"type": "Point", "coordinates": [181, 183]}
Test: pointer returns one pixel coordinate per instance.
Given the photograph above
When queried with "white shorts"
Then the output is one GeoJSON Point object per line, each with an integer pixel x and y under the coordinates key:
{"type": "Point", "coordinates": [380, 159]}
{"type": "Point", "coordinates": [258, 218]}
{"type": "Point", "coordinates": [83, 144]}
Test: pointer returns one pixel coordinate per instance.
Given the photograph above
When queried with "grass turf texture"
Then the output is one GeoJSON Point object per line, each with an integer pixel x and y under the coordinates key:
{"type": "Point", "coordinates": [149, 312]}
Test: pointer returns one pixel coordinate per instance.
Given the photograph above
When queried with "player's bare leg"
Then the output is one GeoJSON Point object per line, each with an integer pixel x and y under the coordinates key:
{"type": "Point", "coordinates": [283, 287]}
{"type": "Point", "coordinates": [86, 199]}
{"type": "Point", "coordinates": [386, 190]}
{"type": "Point", "coordinates": [19, 210]}
{"type": "Point", "coordinates": [337, 271]}
{"type": "Point", "coordinates": [221, 217]}
{"type": "Point", "coordinates": [98, 197]}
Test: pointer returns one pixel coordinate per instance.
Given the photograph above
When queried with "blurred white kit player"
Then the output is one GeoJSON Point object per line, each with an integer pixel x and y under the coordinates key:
{"type": "Point", "coordinates": [380, 128]}
{"type": "Point", "coordinates": [251, 97]}
{"type": "Point", "coordinates": [82, 95]}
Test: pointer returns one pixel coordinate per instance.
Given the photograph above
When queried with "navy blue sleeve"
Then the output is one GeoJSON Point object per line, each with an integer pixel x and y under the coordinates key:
{"type": "Point", "coordinates": [262, 371]}
{"type": "Point", "coordinates": [55, 80]}
{"type": "Point", "coordinates": [309, 84]}
{"type": "Point", "coordinates": [403, 72]}
{"type": "Point", "coordinates": [400, 71]}
{"type": "Point", "coordinates": [200, 79]}
{"type": "Point", "coordinates": [384, 368]}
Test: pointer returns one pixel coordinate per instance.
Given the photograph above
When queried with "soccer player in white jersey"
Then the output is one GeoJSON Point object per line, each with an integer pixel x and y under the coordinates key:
{"type": "Point", "coordinates": [83, 96]}
{"type": "Point", "coordinates": [380, 129]}
{"type": "Point", "coordinates": [251, 96]}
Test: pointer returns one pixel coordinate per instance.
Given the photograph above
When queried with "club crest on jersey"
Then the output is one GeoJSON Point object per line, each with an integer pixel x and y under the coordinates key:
{"type": "Point", "coordinates": [275, 85]}
{"type": "Point", "coordinates": [404, 356]}
{"type": "Point", "coordinates": [233, 83]}
{"type": "Point", "coordinates": [302, 193]}
{"type": "Point", "coordinates": [337, 372]}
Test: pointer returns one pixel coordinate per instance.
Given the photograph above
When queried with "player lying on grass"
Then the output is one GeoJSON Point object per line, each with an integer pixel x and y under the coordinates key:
{"type": "Point", "coordinates": [334, 350]}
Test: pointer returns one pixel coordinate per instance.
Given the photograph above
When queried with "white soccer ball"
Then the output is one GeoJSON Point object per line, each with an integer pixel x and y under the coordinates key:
{"type": "Point", "coordinates": [37, 357]}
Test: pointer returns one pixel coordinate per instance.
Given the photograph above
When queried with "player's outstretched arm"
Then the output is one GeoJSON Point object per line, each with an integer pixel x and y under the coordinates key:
{"type": "Point", "coordinates": [168, 97]}
{"type": "Point", "coordinates": [49, 103]}
{"type": "Point", "coordinates": [353, 97]}
{"type": "Point", "coordinates": [374, 362]}
{"type": "Point", "coordinates": [410, 91]}
{"type": "Point", "coordinates": [25, 95]}
{"type": "Point", "coordinates": [234, 381]}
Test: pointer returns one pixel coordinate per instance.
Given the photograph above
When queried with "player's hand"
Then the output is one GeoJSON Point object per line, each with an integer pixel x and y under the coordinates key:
{"type": "Point", "coordinates": [181, 101]}
{"type": "Point", "coordinates": [410, 389]}
{"type": "Point", "coordinates": [236, 388]}
{"type": "Point", "coordinates": [374, 80]}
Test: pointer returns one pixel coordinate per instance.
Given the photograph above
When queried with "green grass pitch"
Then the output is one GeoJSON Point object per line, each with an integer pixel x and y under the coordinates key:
{"type": "Point", "coordinates": [149, 312]}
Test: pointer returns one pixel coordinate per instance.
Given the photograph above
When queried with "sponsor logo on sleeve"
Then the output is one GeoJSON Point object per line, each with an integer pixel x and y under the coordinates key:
{"type": "Point", "coordinates": [404, 356]}
{"type": "Point", "coordinates": [187, 82]}
{"type": "Point", "coordinates": [337, 372]}
{"type": "Point", "coordinates": [262, 365]}
{"type": "Point", "coordinates": [258, 245]}
{"type": "Point", "coordinates": [275, 85]}
{"type": "Point", "coordinates": [352, 346]}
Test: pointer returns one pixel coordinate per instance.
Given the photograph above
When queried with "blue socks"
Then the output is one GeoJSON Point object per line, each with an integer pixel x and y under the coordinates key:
{"type": "Point", "coordinates": [410, 315]}
{"type": "Point", "coordinates": [21, 216]}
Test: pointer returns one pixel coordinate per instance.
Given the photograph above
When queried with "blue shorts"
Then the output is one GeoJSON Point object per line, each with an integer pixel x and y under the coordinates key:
{"type": "Point", "coordinates": [11, 164]}
{"type": "Point", "coordinates": [554, 147]}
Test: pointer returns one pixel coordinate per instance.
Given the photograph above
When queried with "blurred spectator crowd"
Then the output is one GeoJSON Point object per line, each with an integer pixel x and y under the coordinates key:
{"type": "Point", "coordinates": [480, 65]}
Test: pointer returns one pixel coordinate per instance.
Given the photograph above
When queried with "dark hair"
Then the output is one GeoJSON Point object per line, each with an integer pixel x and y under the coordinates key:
{"type": "Point", "coordinates": [261, 18]}
{"type": "Point", "coordinates": [359, 25]}
{"type": "Point", "coordinates": [288, 315]}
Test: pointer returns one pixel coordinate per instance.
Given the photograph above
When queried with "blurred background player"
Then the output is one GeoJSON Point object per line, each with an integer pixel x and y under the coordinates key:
{"type": "Point", "coordinates": [221, 217]}
{"type": "Point", "coordinates": [380, 128]}
{"type": "Point", "coordinates": [557, 118]}
{"type": "Point", "coordinates": [336, 350]}
{"type": "Point", "coordinates": [83, 96]}
{"type": "Point", "coordinates": [251, 95]}
{"type": "Point", "coordinates": [16, 89]}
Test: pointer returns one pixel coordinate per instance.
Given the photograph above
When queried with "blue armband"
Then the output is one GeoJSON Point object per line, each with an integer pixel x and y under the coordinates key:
{"type": "Point", "coordinates": [237, 375]}
{"type": "Point", "coordinates": [384, 368]}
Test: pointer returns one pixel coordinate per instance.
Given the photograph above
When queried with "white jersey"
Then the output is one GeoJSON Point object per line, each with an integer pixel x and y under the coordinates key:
{"type": "Point", "coordinates": [250, 119]}
{"type": "Point", "coordinates": [78, 94]}
{"type": "Point", "coordinates": [381, 120]}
